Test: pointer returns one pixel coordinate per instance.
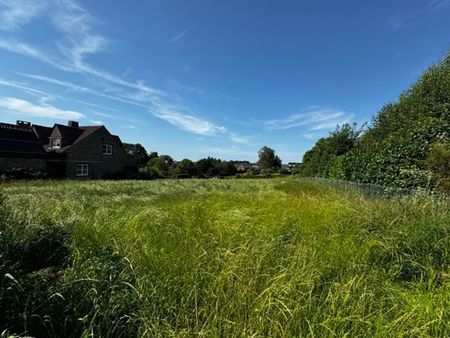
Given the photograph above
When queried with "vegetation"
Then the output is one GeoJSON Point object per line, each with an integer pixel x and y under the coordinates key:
{"type": "Point", "coordinates": [164, 166]}
{"type": "Point", "coordinates": [229, 258]}
{"type": "Point", "coordinates": [137, 152]}
{"type": "Point", "coordinates": [268, 160]}
{"type": "Point", "coordinates": [402, 146]}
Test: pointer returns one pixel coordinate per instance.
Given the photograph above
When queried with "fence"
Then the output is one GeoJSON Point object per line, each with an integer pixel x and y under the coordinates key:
{"type": "Point", "coordinates": [376, 190]}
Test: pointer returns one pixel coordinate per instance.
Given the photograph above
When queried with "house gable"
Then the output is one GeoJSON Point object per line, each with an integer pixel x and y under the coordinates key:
{"type": "Point", "coordinates": [90, 149]}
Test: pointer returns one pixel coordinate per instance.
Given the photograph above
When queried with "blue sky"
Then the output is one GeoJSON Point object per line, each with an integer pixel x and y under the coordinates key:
{"type": "Point", "coordinates": [214, 78]}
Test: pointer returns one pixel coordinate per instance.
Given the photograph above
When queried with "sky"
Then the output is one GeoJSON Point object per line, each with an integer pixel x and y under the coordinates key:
{"type": "Point", "coordinates": [217, 78]}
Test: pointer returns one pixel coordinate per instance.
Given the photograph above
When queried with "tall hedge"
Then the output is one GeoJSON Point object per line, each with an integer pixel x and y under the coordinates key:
{"type": "Point", "coordinates": [395, 149]}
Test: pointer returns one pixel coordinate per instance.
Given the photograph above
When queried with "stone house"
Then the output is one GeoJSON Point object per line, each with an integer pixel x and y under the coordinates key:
{"type": "Point", "coordinates": [21, 148]}
{"type": "Point", "coordinates": [74, 151]}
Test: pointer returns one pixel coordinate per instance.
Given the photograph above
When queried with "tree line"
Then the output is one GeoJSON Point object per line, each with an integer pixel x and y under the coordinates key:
{"type": "Point", "coordinates": [153, 165]}
{"type": "Point", "coordinates": [406, 145]}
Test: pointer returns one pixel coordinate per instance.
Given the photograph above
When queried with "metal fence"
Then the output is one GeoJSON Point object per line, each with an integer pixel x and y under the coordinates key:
{"type": "Point", "coordinates": [376, 190]}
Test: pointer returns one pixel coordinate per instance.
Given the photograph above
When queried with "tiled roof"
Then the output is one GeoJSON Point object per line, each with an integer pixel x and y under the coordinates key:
{"type": "Point", "coordinates": [19, 139]}
{"type": "Point", "coordinates": [43, 133]}
{"type": "Point", "coordinates": [73, 135]}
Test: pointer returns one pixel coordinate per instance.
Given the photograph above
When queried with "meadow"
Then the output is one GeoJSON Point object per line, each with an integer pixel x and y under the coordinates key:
{"type": "Point", "coordinates": [220, 258]}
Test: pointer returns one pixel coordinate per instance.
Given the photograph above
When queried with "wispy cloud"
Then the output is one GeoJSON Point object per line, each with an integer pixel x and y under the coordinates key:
{"type": "Point", "coordinates": [189, 123]}
{"type": "Point", "coordinates": [23, 107]}
{"type": "Point", "coordinates": [178, 36]}
{"type": "Point", "coordinates": [47, 96]}
{"type": "Point", "coordinates": [313, 119]}
{"type": "Point", "coordinates": [410, 17]}
{"type": "Point", "coordinates": [76, 42]}
{"type": "Point", "coordinates": [22, 48]}
{"type": "Point", "coordinates": [77, 88]}
{"type": "Point", "coordinates": [238, 138]}
{"type": "Point", "coordinates": [232, 152]}
{"type": "Point", "coordinates": [17, 13]}
{"type": "Point", "coordinates": [23, 87]}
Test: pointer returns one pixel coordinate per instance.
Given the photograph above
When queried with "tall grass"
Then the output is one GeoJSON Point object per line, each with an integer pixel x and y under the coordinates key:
{"type": "Point", "coordinates": [227, 258]}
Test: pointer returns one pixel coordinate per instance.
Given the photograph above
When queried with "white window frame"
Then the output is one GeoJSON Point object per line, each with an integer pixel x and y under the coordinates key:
{"type": "Point", "coordinates": [82, 169]}
{"type": "Point", "coordinates": [55, 142]}
{"type": "Point", "coordinates": [107, 149]}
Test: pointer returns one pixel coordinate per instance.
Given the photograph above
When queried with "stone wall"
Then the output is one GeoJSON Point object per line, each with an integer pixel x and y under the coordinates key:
{"type": "Point", "coordinates": [33, 164]}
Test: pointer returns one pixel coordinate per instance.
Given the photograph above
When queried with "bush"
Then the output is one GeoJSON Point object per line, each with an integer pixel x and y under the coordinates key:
{"type": "Point", "coordinates": [438, 162]}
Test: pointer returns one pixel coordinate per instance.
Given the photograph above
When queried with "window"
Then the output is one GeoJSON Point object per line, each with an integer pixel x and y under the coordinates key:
{"type": "Point", "coordinates": [107, 149]}
{"type": "Point", "coordinates": [55, 143]}
{"type": "Point", "coordinates": [82, 169]}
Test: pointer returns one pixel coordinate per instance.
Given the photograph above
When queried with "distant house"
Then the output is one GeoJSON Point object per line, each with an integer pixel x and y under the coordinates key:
{"type": "Point", "coordinates": [243, 166]}
{"type": "Point", "coordinates": [21, 148]}
{"type": "Point", "coordinates": [70, 151]}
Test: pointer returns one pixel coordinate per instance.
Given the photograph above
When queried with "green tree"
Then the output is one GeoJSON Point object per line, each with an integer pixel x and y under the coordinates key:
{"type": "Point", "coordinates": [162, 165]}
{"type": "Point", "coordinates": [152, 155]}
{"type": "Point", "coordinates": [268, 160]}
{"type": "Point", "coordinates": [137, 152]}
{"type": "Point", "coordinates": [438, 162]}
{"type": "Point", "coordinates": [403, 144]}
{"type": "Point", "coordinates": [186, 168]}
{"type": "Point", "coordinates": [320, 160]}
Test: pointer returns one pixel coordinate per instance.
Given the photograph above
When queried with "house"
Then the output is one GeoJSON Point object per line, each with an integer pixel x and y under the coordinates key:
{"type": "Point", "coordinates": [70, 151]}
{"type": "Point", "coordinates": [21, 148]}
{"type": "Point", "coordinates": [242, 166]}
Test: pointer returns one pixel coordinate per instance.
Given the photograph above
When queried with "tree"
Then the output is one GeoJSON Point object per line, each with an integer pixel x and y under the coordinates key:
{"type": "Point", "coordinates": [207, 167]}
{"type": "Point", "coordinates": [268, 160]}
{"type": "Point", "coordinates": [226, 168]}
{"type": "Point", "coordinates": [324, 159]}
{"type": "Point", "coordinates": [152, 155]}
{"type": "Point", "coordinates": [186, 168]}
{"type": "Point", "coordinates": [438, 162]}
{"type": "Point", "coordinates": [161, 164]}
{"type": "Point", "coordinates": [137, 152]}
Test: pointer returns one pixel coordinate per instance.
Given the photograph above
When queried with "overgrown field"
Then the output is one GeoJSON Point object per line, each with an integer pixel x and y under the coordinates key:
{"type": "Point", "coordinates": [220, 258]}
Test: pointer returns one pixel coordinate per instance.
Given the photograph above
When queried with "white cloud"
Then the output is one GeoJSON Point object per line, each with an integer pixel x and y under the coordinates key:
{"type": "Point", "coordinates": [17, 13]}
{"type": "Point", "coordinates": [49, 97]}
{"type": "Point", "coordinates": [18, 47]}
{"type": "Point", "coordinates": [315, 118]}
{"type": "Point", "coordinates": [238, 138]}
{"type": "Point", "coordinates": [22, 87]}
{"type": "Point", "coordinates": [76, 41]}
{"type": "Point", "coordinates": [81, 89]}
{"type": "Point", "coordinates": [229, 152]}
{"type": "Point", "coordinates": [189, 123]}
{"type": "Point", "coordinates": [412, 16]}
{"type": "Point", "coordinates": [178, 36]}
{"type": "Point", "coordinates": [27, 108]}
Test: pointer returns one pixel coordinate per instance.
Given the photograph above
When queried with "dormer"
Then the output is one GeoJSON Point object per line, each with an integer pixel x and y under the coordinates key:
{"type": "Point", "coordinates": [55, 143]}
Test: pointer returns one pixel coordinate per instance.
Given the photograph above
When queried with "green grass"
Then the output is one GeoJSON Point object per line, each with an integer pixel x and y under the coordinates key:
{"type": "Point", "coordinates": [220, 258]}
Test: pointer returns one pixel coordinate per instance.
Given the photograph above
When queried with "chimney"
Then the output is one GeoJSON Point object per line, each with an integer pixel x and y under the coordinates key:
{"type": "Point", "coordinates": [73, 124]}
{"type": "Point", "coordinates": [23, 123]}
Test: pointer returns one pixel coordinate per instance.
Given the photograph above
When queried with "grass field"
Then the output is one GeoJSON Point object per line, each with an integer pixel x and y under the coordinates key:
{"type": "Point", "coordinates": [220, 258]}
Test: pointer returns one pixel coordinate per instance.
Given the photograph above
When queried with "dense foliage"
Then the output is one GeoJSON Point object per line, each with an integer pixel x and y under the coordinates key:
{"type": "Point", "coordinates": [163, 166]}
{"type": "Point", "coordinates": [137, 152]}
{"type": "Point", "coordinates": [228, 258]}
{"type": "Point", "coordinates": [397, 149]}
{"type": "Point", "coordinates": [268, 160]}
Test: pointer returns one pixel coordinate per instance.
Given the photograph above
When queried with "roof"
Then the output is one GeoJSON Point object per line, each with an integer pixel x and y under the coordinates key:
{"type": "Point", "coordinates": [43, 133]}
{"type": "Point", "coordinates": [73, 135]}
{"type": "Point", "coordinates": [24, 138]}
{"type": "Point", "coordinates": [117, 139]}
{"type": "Point", "coordinates": [19, 139]}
